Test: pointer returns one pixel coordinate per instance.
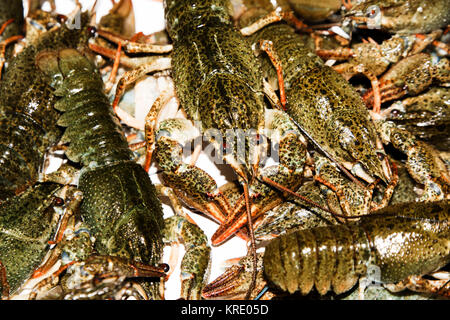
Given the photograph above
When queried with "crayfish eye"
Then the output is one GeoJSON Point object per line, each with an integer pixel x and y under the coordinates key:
{"type": "Point", "coordinates": [58, 202]}
{"type": "Point", "coordinates": [258, 139]}
{"type": "Point", "coordinates": [61, 18]}
{"type": "Point", "coordinates": [226, 148]}
{"type": "Point", "coordinates": [92, 31]}
{"type": "Point", "coordinates": [395, 113]}
{"type": "Point", "coordinates": [50, 25]}
{"type": "Point", "coordinates": [165, 267]}
{"type": "Point", "coordinates": [381, 156]}
{"type": "Point", "coordinates": [371, 11]}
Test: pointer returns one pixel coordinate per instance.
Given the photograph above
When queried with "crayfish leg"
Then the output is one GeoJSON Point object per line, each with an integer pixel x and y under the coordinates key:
{"type": "Point", "coordinates": [49, 281]}
{"type": "Point", "coordinates": [129, 77]}
{"type": "Point", "coordinates": [335, 54]}
{"type": "Point", "coordinates": [112, 76]}
{"type": "Point", "coordinates": [3, 46]}
{"type": "Point", "coordinates": [439, 287]}
{"type": "Point", "coordinates": [389, 191]}
{"type": "Point", "coordinates": [151, 122]}
{"type": "Point", "coordinates": [69, 210]}
{"type": "Point", "coordinates": [375, 88]}
{"type": "Point", "coordinates": [267, 46]}
{"type": "Point", "coordinates": [4, 282]}
{"type": "Point", "coordinates": [423, 40]}
{"type": "Point", "coordinates": [196, 260]}
{"type": "Point", "coordinates": [5, 24]}
{"type": "Point", "coordinates": [182, 229]}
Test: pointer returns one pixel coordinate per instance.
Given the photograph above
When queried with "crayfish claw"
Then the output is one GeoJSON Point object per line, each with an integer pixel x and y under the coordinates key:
{"type": "Point", "coordinates": [235, 281]}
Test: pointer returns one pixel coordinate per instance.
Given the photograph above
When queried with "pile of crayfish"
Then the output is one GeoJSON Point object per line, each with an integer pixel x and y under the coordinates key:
{"type": "Point", "coordinates": [329, 120]}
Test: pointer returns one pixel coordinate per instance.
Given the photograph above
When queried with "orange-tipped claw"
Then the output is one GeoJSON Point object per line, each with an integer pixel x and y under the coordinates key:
{"type": "Point", "coordinates": [230, 226]}
{"type": "Point", "coordinates": [44, 269]}
{"type": "Point", "coordinates": [227, 285]}
{"type": "Point", "coordinates": [143, 270]}
{"type": "Point", "coordinates": [235, 282]}
{"type": "Point", "coordinates": [237, 220]}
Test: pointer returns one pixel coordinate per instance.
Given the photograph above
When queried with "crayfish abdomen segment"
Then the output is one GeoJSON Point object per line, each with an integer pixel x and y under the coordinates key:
{"type": "Point", "coordinates": [325, 258]}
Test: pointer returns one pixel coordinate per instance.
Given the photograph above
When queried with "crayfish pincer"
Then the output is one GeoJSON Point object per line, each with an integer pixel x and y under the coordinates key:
{"type": "Point", "coordinates": [120, 204]}
{"type": "Point", "coordinates": [27, 223]}
{"type": "Point", "coordinates": [409, 239]}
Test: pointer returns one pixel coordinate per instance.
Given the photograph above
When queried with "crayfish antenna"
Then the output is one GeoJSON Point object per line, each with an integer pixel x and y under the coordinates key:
{"type": "Point", "coordinates": [284, 189]}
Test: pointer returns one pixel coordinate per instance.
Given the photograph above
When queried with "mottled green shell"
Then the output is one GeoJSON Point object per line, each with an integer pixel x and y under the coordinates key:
{"type": "Point", "coordinates": [410, 238]}
{"type": "Point", "coordinates": [224, 92]}
{"type": "Point", "coordinates": [27, 223]}
{"type": "Point", "coordinates": [312, 10]}
{"type": "Point", "coordinates": [217, 76]}
{"type": "Point", "coordinates": [179, 14]}
{"type": "Point", "coordinates": [319, 99]}
{"type": "Point", "coordinates": [112, 22]}
{"type": "Point", "coordinates": [93, 131]}
{"type": "Point", "coordinates": [21, 152]}
{"type": "Point", "coordinates": [399, 241]}
{"type": "Point", "coordinates": [332, 112]}
{"type": "Point", "coordinates": [23, 73]}
{"type": "Point", "coordinates": [408, 16]}
{"type": "Point", "coordinates": [27, 117]}
{"type": "Point", "coordinates": [120, 206]}
{"type": "Point", "coordinates": [293, 50]}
